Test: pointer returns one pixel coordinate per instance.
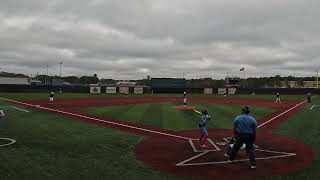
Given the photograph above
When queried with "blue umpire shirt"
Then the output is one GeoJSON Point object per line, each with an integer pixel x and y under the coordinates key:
{"type": "Point", "coordinates": [245, 124]}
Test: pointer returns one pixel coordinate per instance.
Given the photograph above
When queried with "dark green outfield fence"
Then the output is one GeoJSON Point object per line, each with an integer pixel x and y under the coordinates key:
{"type": "Point", "coordinates": [86, 89]}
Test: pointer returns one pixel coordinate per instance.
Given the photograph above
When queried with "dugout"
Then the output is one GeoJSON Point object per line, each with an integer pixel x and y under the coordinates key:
{"type": "Point", "coordinates": [168, 85]}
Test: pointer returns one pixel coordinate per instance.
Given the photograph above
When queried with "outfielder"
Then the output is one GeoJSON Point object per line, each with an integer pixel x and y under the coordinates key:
{"type": "Point", "coordinates": [278, 98]}
{"type": "Point", "coordinates": [203, 127]}
{"type": "Point", "coordinates": [51, 97]}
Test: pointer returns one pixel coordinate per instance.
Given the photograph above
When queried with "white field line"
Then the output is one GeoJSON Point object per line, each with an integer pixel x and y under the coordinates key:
{"type": "Point", "coordinates": [192, 145]}
{"type": "Point", "coordinates": [297, 105]}
{"type": "Point", "coordinates": [190, 159]}
{"type": "Point", "coordinates": [282, 155]}
{"type": "Point", "coordinates": [20, 109]}
{"type": "Point", "coordinates": [209, 140]}
{"type": "Point", "coordinates": [99, 120]}
{"type": "Point", "coordinates": [314, 106]}
{"type": "Point", "coordinates": [217, 148]}
{"type": "Point", "coordinates": [184, 163]}
{"type": "Point", "coordinates": [11, 141]}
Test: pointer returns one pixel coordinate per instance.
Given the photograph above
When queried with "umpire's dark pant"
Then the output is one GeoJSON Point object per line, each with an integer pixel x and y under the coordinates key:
{"type": "Point", "coordinates": [248, 140]}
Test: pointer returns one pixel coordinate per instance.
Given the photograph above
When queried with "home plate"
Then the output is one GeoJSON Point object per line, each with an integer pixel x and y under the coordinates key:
{"type": "Point", "coordinates": [210, 146]}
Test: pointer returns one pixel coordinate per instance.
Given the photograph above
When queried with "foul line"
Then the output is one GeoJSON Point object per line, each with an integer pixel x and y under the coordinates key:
{"type": "Point", "coordinates": [20, 109]}
{"type": "Point", "coordinates": [96, 119]}
{"type": "Point", "coordinates": [314, 106]}
{"type": "Point", "coordinates": [297, 105]}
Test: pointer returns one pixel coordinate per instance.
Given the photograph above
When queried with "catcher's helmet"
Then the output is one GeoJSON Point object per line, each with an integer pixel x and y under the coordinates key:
{"type": "Point", "coordinates": [245, 110]}
{"type": "Point", "coordinates": [204, 112]}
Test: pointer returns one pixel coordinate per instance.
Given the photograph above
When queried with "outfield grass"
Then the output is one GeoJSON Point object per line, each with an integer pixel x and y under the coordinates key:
{"type": "Point", "coordinates": [52, 147]}
{"type": "Point", "coordinates": [305, 126]}
{"type": "Point", "coordinates": [30, 96]}
{"type": "Point", "coordinates": [164, 115]}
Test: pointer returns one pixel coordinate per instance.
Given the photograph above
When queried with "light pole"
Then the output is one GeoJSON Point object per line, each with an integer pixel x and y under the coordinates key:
{"type": "Point", "coordinates": [47, 77]}
{"type": "Point", "coordinates": [60, 63]}
{"type": "Point", "coordinates": [318, 79]}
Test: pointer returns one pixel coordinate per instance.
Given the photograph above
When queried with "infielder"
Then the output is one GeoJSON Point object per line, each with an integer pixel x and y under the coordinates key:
{"type": "Point", "coordinates": [203, 127]}
{"type": "Point", "coordinates": [245, 127]}
{"type": "Point", "coordinates": [51, 97]}
{"type": "Point", "coordinates": [278, 98]}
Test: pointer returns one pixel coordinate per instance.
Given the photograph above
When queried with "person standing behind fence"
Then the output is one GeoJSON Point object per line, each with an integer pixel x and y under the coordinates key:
{"type": "Point", "coordinates": [278, 99]}
{"type": "Point", "coordinates": [309, 97]}
{"type": "Point", "coordinates": [2, 115]}
{"type": "Point", "coordinates": [245, 127]}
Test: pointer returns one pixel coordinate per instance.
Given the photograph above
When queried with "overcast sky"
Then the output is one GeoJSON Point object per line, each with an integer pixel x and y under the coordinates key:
{"type": "Point", "coordinates": [129, 39]}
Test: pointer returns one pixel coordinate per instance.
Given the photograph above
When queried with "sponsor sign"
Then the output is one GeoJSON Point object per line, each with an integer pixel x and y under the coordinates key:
{"type": "Point", "coordinates": [222, 90]}
{"type": "Point", "coordinates": [111, 90]}
{"type": "Point", "coordinates": [208, 90]}
{"type": "Point", "coordinates": [138, 90]}
{"type": "Point", "coordinates": [95, 90]}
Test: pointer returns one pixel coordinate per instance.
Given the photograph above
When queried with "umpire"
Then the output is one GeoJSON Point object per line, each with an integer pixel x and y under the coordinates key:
{"type": "Point", "coordinates": [245, 127]}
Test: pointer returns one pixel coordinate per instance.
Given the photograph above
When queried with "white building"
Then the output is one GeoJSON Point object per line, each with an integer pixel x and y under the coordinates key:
{"type": "Point", "coordinates": [14, 80]}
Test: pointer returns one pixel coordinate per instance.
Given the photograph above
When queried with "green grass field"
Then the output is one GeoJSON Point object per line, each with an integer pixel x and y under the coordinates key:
{"type": "Point", "coordinates": [164, 115]}
{"type": "Point", "coordinates": [54, 147]}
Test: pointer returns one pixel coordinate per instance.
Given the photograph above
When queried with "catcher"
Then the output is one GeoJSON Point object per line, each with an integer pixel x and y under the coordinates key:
{"type": "Point", "coordinates": [230, 146]}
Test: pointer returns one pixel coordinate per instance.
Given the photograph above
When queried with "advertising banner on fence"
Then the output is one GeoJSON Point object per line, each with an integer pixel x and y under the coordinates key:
{"type": "Point", "coordinates": [232, 90]}
{"type": "Point", "coordinates": [207, 90]}
{"type": "Point", "coordinates": [138, 90]}
{"type": "Point", "coordinates": [124, 90]}
{"type": "Point", "coordinates": [111, 90]}
{"type": "Point", "coordinates": [222, 90]}
{"type": "Point", "coordinates": [95, 89]}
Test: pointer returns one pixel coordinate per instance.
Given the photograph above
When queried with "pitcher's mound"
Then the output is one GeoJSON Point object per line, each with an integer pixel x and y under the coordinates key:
{"type": "Point", "coordinates": [183, 107]}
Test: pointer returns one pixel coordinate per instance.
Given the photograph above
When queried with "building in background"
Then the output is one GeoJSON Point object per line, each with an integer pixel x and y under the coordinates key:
{"type": "Point", "coordinates": [14, 81]}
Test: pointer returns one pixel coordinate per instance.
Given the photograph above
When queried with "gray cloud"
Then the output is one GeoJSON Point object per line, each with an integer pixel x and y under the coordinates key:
{"type": "Point", "coordinates": [135, 38]}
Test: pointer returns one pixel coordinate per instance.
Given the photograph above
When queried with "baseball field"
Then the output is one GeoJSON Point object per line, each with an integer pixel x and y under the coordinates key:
{"type": "Point", "coordinates": [90, 136]}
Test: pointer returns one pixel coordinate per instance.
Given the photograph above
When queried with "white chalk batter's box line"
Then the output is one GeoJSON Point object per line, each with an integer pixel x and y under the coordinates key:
{"type": "Point", "coordinates": [216, 148]}
{"type": "Point", "coordinates": [186, 162]}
